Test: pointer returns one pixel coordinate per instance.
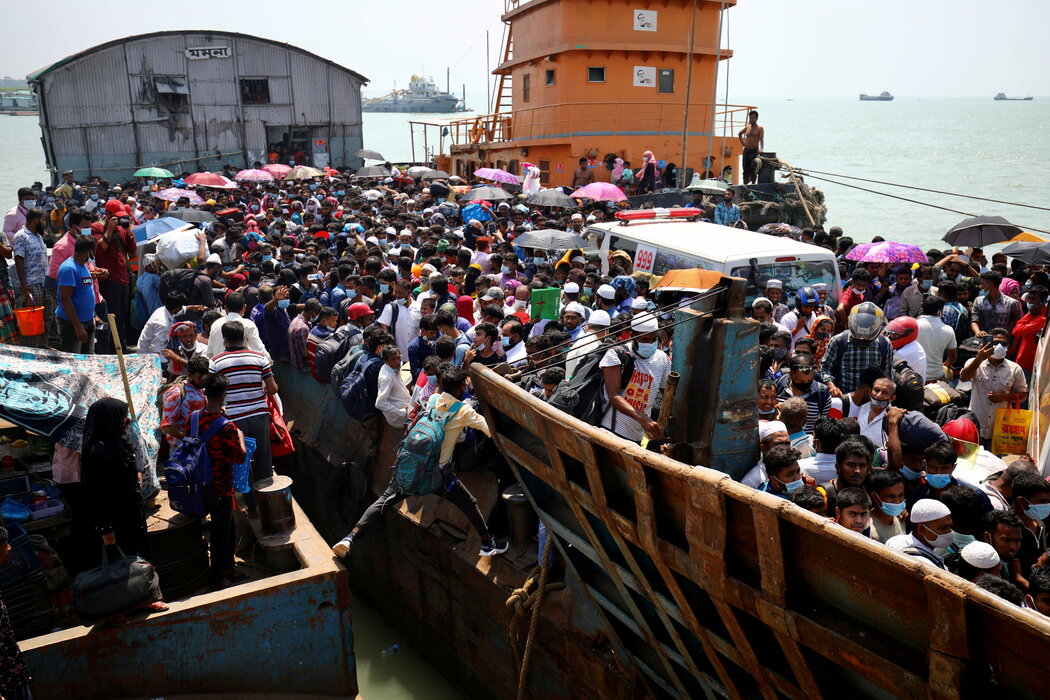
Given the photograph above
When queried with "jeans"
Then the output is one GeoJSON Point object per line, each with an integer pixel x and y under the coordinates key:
{"type": "Point", "coordinates": [458, 496]}
{"type": "Point", "coordinates": [258, 428]}
{"type": "Point", "coordinates": [69, 337]}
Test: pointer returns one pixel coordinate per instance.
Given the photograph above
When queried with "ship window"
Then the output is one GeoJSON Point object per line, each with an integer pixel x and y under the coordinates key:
{"type": "Point", "coordinates": [596, 75]}
{"type": "Point", "coordinates": [545, 168]}
{"type": "Point", "coordinates": [666, 81]}
{"type": "Point", "coordinates": [526, 83]}
{"type": "Point", "coordinates": [255, 91]}
{"type": "Point", "coordinates": [548, 77]}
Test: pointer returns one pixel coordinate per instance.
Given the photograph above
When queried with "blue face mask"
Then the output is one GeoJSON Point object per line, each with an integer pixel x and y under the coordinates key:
{"type": "Point", "coordinates": [85, 232]}
{"type": "Point", "coordinates": [910, 474]}
{"type": "Point", "coordinates": [588, 290]}
{"type": "Point", "coordinates": [645, 350]}
{"type": "Point", "coordinates": [941, 481]}
{"type": "Point", "coordinates": [894, 510]}
{"type": "Point", "coordinates": [505, 340]}
{"type": "Point", "coordinates": [1030, 306]}
{"type": "Point", "coordinates": [384, 288]}
{"type": "Point", "coordinates": [792, 485]}
{"type": "Point", "coordinates": [284, 303]}
{"type": "Point", "coordinates": [267, 258]}
{"type": "Point", "coordinates": [538, 260]}
{"type": "Point", "coordinates": [1038, 512]}
{"type": "Point", "coordinates": [926, 284]}
{"type": "Point", "coordinates": [504, 269]}
{"type": "Point", "coordinates": [340, 193]}
{"type": "Point", "coordinates": [94, 197]}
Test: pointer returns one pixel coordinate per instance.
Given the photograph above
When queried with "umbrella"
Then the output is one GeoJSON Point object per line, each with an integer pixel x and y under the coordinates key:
{"type": "Point", "coordinates": [208, 180]}
{"type": "Point", "coordinates": [600, 192]}
{"type": "Point", "coordinates": [372, 171]}
{"type": "Point", "coordinates": [435, 175]}
{"type": "Point", "coordinates": [254, 176]}
{"type": "Point", "coordinates": [302, 172]}
{"type": "Point", "coordinates": [417, 171]}
{"type": "Point", "coordinates": [155, 227]}
{"type": "Point", "coordinates": [153, 171]}
{"type": "Point", "coordinates": [708, 186]}
{"type": "Point", "coordinates": [1031, 253]}
{"type": "Point", "coordinates": [174, 194]}
{"type": "Point", "coordinates": [780, 229]}
{"type": "Point", "coordinates": [688, 280]}
{"type": "Point", "coordinates": [278, 170]}
{"type": "Point", "coordinates": [550, 239]}
{"type": "Point", "coordinates": [370, 155]}
{"type": "Point", "coordinates": [490, 194]}
{"type": "Point", "coordinates": [1027, 237]}
{"type": "Point", "coordinates": [497, 175]}
{"type": "Point", "coordinates": [887, 252]}
{"type": "Point", "coordinates": [195, 216]}
{"type": "Point", "coordinates": [371, 195]}
{"type": "Point", "coordinates": [981, 231]}
{"type": "Point", "coordinates": [553, 198]}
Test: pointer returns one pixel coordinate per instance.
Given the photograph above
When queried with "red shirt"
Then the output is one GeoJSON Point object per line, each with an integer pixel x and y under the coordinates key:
{"type": "Point", "coordinates": [1026, 336]}
{"type": "Point", "coordinates": [108, 254]}
{"type": "Point", "coordinates": [224, 450]}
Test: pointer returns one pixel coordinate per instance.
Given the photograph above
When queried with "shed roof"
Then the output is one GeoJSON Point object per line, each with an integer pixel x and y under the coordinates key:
{"type": "Point", "coordinates": [36, 75]}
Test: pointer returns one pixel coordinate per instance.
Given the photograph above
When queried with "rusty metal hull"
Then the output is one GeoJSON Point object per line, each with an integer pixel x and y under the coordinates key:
{"type": "Point", "coordinates": [284, 635]}
{"type": "Point", "coordinates": [718, 589]}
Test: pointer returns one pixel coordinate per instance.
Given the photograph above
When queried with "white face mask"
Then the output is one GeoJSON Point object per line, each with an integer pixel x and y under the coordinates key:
{"type": "Point", "coordinates": [29, 203]}
{"type": "Point", "coordinates": [998, 351]}
{"type": "Point", "coordinates": [940, 541]}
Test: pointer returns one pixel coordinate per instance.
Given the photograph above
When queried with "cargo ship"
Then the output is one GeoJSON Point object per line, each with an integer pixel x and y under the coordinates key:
{"type": "Point", "coordinates": [422, 95]}
{"type": "Point", "coordinates": [881, 97]}
{"type": "Point", "coordinates": [1001, 97]}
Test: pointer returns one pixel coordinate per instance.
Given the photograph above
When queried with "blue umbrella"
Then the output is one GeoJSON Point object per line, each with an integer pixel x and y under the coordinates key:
{"type": "Point", "coordinates": [155, 227]}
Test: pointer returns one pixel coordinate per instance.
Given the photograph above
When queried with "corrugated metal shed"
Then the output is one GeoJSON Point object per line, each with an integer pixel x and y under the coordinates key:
{"type": "Point", "coordinates": [194, 101]}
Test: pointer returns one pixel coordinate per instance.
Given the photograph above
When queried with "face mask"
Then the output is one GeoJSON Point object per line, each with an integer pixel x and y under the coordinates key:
{"type": "Point", "coordinates": [779, 353]}
{"type": "Point", "coordinates": [267, 258]}
{"type": "Point", "coordinates": [960, 540]}
{"type": "Point", "coordinates": [939, 481]}
{"type": "Point", "coordinates": [384, 288]}
{"type": "Point", "coordinates": [1038, 512]}
{"type": "Point", "coordinates": [284, 303]}
{"type": "Point", "coordinates": [85, 232]}
{"type": "Point", "coordinates": [926, 284]}
{"type": "Point", "coordinates": [340, 193]}
{"type": "Point", "coordinates": [790, 485]}
{"type": "Point", "coordinates": [520, 304]}
{"type": "Point", "coordinates": [940, 541]}
{"type": "Point", "coordinates": [998, 351]}
{"type": "Point", "coordinates": [505, 339]}
{"type": "Point", "coordinates": [823, 335]}
{"type": "Point", "coordinates": [504, 269]}
{"type": "Point", "coordinates": [538, 260]}
{"type": "Point", "coordinates": [29, 203]}
{"type": "Point", "coordinates": [255, 207]}
{"type": "Point", "coordinates": [767, 413]}
{"type": "Point", "coordinates": [588, 290]}
{"type": "Point", "coordinates": [893, 510]}
{"type": "Point", "coordinates": [94, 197]}
{"type": "Point", "coordinates": [1030, 306]}
{"type": "Point", "coordinates": [803, 386]}
{"type": "Point", "coordinates": [910, 474]}
{"type": "Point", "coordinates": [647, 349]}
{"type": "Point", "coordinates": [879, 403]}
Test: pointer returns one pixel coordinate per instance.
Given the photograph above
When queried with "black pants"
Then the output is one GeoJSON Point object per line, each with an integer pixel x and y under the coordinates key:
{"type": "Point", "coordinates": [750, 174]}
{"type": "Point", "coordinates": [458, 496]}
{"type": "Point", "coordinates": [222, 534]}
{"type": "Point", "coordinates": [118, 301]}
{"type": "Point", "coordinates": [69, 337]}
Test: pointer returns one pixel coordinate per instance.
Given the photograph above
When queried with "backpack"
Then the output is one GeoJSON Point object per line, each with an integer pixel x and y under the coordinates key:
{"type": "Point", "coordinates": [346, 364]}
{"type": "Point", "coordinates": [332, 349]}
{"type": "Point", "coordinates": [910, 387]}
{"type": "Point", "coordinates": [416, 467]}
{"type": "Point", "coordinates": [180, 279]}
{"type": "Point", "coordinates": [358, 402]}
{"type": "Point", "coordinates": [581, 396]}
{"type": "Point", "coordinates": [188, 469]}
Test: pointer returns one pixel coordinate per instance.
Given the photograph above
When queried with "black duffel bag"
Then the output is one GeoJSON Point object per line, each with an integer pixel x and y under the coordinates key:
{"type": "Point", "coordinates": [115, 587]}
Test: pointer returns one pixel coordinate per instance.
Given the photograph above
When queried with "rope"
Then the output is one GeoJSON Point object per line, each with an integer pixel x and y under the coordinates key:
{"type": "Point", "coordinates": [525, 601]}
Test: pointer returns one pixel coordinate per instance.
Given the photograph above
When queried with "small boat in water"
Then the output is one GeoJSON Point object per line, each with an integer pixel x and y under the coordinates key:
{"type": "Point", "coordinates": [881, 97]}
{"type": "Point", "coordinates": [1001, 97]}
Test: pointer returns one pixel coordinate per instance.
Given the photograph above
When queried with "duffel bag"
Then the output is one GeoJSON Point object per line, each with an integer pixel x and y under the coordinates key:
{"type": "Point", "coordinates": [115, 587]}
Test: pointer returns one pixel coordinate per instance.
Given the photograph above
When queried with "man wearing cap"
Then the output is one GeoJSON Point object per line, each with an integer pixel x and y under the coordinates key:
{"type": "Point", "coordinates": [576, 223]}
{"type": "Point", "coordinates": [572, 319]}
{"type": "Point", "coordinates": [115, 243]}
{"type": "Point", "coordinates": [932, 530]}
{"type": "Point", "coordinates": [775, 293]}
{"type": "Point", "coordinates": [770, 434]}
{"type": "Point", "coordinates": [631, 398]}
{"type": "Point", "coordinates": [605, 300]}
{"type": "Point", "coordinates": [974, 560]}
{"type": "Point", "coordinates": [571, 294]}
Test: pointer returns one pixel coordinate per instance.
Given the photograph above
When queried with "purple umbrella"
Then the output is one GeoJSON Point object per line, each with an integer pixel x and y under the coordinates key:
{"type": "Point", "coordinates": [253, 176]}
{"type": "Point", "coordinates": [887, 252]}
{"type": "Point", "coordinates": [174, 194]}
{"type": "Point", "coordinates": [497, 175]}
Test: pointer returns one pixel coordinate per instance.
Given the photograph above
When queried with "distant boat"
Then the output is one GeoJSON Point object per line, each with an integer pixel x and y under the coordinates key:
{"type": "Point", "coordinates": [881, 97]}
{"type": "Point", "coordinates": [421, 96]}
{"type": "Point", "coordinates": [1002, 96]}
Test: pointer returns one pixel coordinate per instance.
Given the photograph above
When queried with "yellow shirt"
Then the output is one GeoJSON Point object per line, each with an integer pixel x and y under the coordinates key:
{"type": "Point", "coordinates": [466, 417]}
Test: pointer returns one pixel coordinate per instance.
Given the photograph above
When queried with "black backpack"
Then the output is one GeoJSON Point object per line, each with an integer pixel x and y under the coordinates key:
{"type": "Point", "coordinates": [346, 365]}
{"type": "Point", "coordinates": [910, 387]}
{"type": "Point", "coordinates": [332, 349]}
{"type": "Point", "coordinates": [581, 396]}
{"type": "Point", "coordinates": [180, 279]}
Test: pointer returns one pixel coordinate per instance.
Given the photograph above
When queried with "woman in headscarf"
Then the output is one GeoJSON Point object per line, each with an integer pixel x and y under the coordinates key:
{"type": "Point", "coordinates": [1010, 288]}
{"type": "Point", "coordinates": [669, 179]}
{"type": "Point", "coordinates": [822, 330]}
{"type": "Point", "coordinates": [182, 345]}
{"type": "Point", "coordinates": [617, 171]}
{"type": "Point", "coordinates": [465, 309]}
{"type": "Point", "coordinates": [531, 184]}
{"type": "Point", "coordinates": [647, 176]}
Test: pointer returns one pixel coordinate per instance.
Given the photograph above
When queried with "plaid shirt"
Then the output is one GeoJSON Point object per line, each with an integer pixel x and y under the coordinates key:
{"type": "Point", "coordinates": [225, 451]}
{"type": "Point", "coordinates": [298, 332]}
{"type": "Point", "coordinates": [855, 359]}
{"type": "Point", "coordinates": [726, 215]}
{"type": "Point", "coordinates": [1000, 314]}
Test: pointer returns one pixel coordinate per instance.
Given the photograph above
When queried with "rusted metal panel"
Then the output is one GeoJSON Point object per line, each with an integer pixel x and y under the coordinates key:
{"type": "Point", "coordinates": [88, 93]}
{"type": "Point", "coordinates": [159, 55]}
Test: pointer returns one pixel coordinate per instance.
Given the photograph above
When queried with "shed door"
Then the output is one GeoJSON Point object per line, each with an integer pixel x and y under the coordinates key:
{"type": "Point", "coordinates": [666, 80]}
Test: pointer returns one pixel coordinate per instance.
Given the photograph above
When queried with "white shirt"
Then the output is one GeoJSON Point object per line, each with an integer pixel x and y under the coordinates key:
{"type": "Point", "coordinates": [871, 428]}
{"type": "Point", "coordinates": [820, 466]}
{"type": "Point", "coordinates": [640, 390]}
{"type": "Point", "coordinates": [393, 398]}
{"type": "Point", "coordinates": [154, 336]}
{"type": "Point", "coordinates": [914, 355]}
{"type": "Point", "coordinates": [517, 355]}
{"type": "Point", "coordinates": [756, 476]}
{"type": "Point", "coordinates": [790, 321]}
{"type": "Point", "coordinates": [407, 326]}
{"type": "Point", "coordinates": [936, 339]}
{"type": "Point", "coordinates": [251, 336]}
{"type": "Point", "coordinates": [580, 348]}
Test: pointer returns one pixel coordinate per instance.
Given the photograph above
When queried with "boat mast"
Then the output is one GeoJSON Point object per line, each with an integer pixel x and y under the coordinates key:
{"type": "Point", "coordinates": [688, 90]}
{"type": "Point", "coordinates": [714, 89]}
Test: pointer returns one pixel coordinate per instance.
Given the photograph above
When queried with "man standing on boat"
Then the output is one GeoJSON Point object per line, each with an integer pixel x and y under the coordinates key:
{"type": "Point", "coordinates": [753, 139]}
{"type": "Point", "coordinates": [630, 404]}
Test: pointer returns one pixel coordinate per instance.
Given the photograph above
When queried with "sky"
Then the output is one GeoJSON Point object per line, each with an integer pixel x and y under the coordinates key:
{"type": "Point", "coordinates": [783, 48]}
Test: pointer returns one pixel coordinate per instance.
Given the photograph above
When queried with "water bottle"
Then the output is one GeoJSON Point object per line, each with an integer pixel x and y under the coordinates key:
{"type": "Point", "coordinates": [392, 650]}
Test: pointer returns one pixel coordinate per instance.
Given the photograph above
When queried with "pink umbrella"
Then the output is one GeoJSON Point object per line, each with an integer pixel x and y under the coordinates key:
{"type": "Point", "coordinates": [277, 170]}
{"type": "Point", "coordinates": [497, 175]}
{"type": "Point", "coordinates": [887, 252]}
{"type": "Point", "coordinates": [600, 192]}
{"type": "Point", "coordinates": [253, 176]}
{"type": "Point", "coordinates": [174, 194]}
{"type": "Point", "coordinates": [207, 180]}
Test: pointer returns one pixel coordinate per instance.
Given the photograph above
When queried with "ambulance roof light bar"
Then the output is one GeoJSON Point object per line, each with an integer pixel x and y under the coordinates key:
{"type": "Point", "coordinates": [658, 214]}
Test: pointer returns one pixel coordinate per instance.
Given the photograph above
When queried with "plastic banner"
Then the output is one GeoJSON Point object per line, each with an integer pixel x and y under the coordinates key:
{"type": "Point", "coordinates": [1010, 431]}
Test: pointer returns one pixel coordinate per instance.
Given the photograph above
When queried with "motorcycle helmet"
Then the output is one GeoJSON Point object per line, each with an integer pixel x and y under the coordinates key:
{"type": "Point", "coordinates": [866, 322]}
{"type": "Point", "coordinates": [807, 296]}
{"type": "Point", "coordinates": [902, 330]}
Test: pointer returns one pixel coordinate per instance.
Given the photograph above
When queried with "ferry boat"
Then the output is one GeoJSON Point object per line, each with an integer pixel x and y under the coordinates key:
{"type": "Point", "coordinates": [1001, 97]}
{"type": "Point", "coordinates": [422, 95]}
{"type": "Point", "coordinates": [881, 97]}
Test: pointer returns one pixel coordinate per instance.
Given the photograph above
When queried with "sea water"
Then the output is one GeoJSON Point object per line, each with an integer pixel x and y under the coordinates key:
{"type": "Point", "coordinates": [976, 146]}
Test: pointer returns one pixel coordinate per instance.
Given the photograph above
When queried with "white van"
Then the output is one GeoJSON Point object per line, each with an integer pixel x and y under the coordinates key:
{"type": "Point", "coordinates": [662, 243]}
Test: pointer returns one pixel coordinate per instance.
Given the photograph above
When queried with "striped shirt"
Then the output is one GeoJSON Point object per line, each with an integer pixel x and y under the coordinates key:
{"type": "Point", "coordinates": [246, 370]}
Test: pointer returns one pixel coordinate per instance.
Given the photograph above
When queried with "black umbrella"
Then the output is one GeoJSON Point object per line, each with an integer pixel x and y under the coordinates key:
{"type": "Point", "coordinates": [553, 198]}
{"type": "Point", "coordinates": [981, 231]}
{"type": "Point", "coordinates": [370, 155]}
{"type": "Point", "coordinates": [550, 239]}
{"type": "Point", "coordinates": [490, 194]}
{"type": "Point", "coordinates": [193, 216]}
{"type": "Point", "coordinates": [372, 171]}
{"type": "Point", "coordinates": [1029, 252]}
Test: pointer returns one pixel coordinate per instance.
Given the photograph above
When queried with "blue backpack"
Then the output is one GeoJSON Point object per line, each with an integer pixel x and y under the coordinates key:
{"type": "Point", "coordinates": [188, 469]}
{"type": "Point", "coordinates": [354, 393]}
{"type": "Point", "coordinates": [417, 470]}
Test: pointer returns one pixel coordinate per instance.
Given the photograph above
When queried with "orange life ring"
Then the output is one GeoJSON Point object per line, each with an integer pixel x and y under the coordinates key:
{"type": "Point", "coordinates": [475, 131]}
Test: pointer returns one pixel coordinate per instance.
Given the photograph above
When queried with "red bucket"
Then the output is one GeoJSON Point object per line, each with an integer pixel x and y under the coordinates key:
{"type": "Point", "coordinates": [30, 320]}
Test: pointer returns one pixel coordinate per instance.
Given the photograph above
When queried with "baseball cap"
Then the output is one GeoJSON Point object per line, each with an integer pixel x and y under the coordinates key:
{"type": "Point", "coordinates": [493, 293]}
{"type": "Point", "coordinates": [115, 207]}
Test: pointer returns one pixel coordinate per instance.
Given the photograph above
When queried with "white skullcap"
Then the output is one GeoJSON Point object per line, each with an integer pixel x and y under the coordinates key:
{"type": "Point", "coordinates": [579, 259]}
{"type": "Point", "coordinates": [639, 304]}
{"type": "Point", "coordinates": [768, 427]}
{"type": "Point", "coordinates": [646, 323]}
{"type": "Point", "coordinates": [213, 259]}
{"type": "Point", "coordinates": [405, 230]}
{"type": "Point", "coordinates": [391, 231]}
{"type": "Point", "coordinates": [435, 275]}
{"type": "Point", "coordinates": [574, 307]}
{"type": "Point", "coordinates": [758, 299]}
{"type": "Point", "coordinates": [606, 291]}
{"type": "Point", "coordinates": [426, 190]}
{"type": "Point", "coordinates": [980, 554]}
{"type": "Point", "coordinates": [426, 270]}
{"type": "Point", "coordinates": [927, 509]}
{"type": "Point", "coordinates": [571, 288]}
{"type": "Point", "coordinates": [599, 318]}
{"type": "Point", "coordinates": [577, 217]}
{"type": "Point", "coordinates": [591, 217]}
{"type": "Point", "coordinates": [774, 284]}
{"type": "Point", "coordinates": [820, 286]}
{"type": "Point", "coordinates": [373, 240]}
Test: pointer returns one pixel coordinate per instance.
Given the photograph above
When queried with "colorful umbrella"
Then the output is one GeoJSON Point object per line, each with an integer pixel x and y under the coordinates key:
{"type": "Point", "coordinates": [153, 171]}
{"type": "Point", "coordinates": [887, 252]}
{"type": "Point", "coordinates": [302, 172]}
{"type": "Point", "coordinates": [780, 229]}
{"type": "Point", "coordinates": [688, 280]}
{"type": "Point", "coordinates": [254, 176]}
{"type": "Point", "coordinates": [490, 194]}
{"type": "Point", "coordinates": [497, 175]}
{"type": "Point", "coordinates": [208, 180]}
{"type": "Point", "coordinates": [1026, 237]}
{"type": "Point", "coordinates": [174, 194]}
{"type": "Point", "coordinates": [600, 192]}
{"type": "Point", "coordinates": [278, 170]}
{"type": "Point", "coordinates": [155, 227]}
